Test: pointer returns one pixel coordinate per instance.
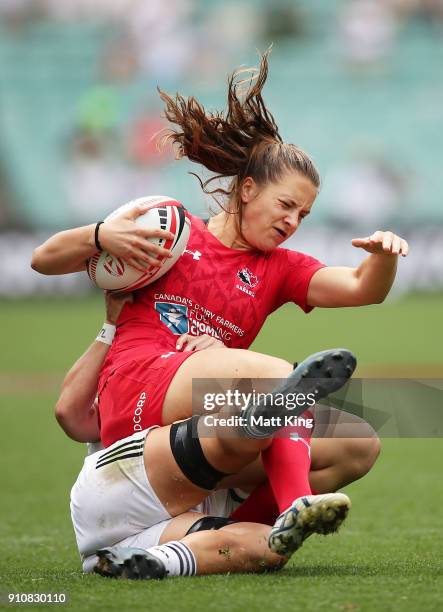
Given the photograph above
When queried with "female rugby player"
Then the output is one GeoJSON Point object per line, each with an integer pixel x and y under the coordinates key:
{"type": "Point", "coordinates": [167, 530]}
{"type": "Point", "coordinates": [240, 276]}
{"type": "Point", "coordinates": [139, 512]}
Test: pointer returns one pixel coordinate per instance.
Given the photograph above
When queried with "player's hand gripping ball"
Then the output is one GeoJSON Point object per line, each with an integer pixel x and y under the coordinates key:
{"type": "Point", "coordinates": [163, 214]}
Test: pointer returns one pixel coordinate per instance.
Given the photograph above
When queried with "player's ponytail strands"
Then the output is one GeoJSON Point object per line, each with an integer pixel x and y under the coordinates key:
{"type": "Point", "coordinates": [243, 142]}
{"type": "Point", "coordinates": [223, 144]}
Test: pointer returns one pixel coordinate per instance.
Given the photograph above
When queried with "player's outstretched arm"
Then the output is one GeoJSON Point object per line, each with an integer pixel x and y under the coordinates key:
{"type": "Point", "coordinates": [76, 410]}
{"type": "Point", "coordinates": [68, 251]}
{"type": "Point", "coordinates": [370, 283]}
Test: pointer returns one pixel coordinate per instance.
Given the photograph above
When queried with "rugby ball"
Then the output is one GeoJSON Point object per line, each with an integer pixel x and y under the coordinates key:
{"type": "Point", "coordinates": [112, 273]}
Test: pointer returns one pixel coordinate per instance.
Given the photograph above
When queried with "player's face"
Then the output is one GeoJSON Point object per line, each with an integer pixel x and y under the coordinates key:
{"type": "Point", "coordinates": [272, 213]}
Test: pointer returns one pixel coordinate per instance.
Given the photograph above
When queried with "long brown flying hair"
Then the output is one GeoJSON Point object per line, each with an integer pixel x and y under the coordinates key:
{"type": "Point", "coordinates": [242, 142]}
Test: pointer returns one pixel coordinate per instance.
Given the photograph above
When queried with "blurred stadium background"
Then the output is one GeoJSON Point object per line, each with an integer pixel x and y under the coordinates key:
{"type": "Point", "coordinates": [358, 84]}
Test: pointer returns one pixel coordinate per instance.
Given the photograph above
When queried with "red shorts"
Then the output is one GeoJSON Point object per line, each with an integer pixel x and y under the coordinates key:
{"type": "Point", "coordinates": [131, 398]}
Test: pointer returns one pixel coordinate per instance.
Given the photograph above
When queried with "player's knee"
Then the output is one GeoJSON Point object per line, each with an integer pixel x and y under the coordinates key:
{"type": "Point", "coordinates": [362, 454]}
{"type": "Point", "coordinates": [373, 450]}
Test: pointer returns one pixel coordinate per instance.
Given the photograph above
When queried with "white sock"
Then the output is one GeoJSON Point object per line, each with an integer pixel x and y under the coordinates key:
{"type": "Point", "coordinates": [178, 558]}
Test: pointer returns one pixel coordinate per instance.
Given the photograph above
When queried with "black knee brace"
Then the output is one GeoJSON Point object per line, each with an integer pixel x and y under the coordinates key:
{"type": "Point", "coordinates": [209, 523]}
{"type": "Point", "coordinates": [188, 453]}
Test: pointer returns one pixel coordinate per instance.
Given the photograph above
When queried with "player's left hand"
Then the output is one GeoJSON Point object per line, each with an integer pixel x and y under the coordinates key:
{"type": "Point", "coordinates": [383, 243]}
{"type": "Point", "coordinates": [187, 343]}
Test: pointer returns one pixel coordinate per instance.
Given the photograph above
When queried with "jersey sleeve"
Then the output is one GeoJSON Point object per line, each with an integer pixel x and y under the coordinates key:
{"type": "Point", "coordinates": [295, 273]}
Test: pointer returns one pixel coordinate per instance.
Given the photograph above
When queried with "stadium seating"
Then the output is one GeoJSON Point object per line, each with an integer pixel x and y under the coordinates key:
{"type": "Point", "coordinates": [395, 113]}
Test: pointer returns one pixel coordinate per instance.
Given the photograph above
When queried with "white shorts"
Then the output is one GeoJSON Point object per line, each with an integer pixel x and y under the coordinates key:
{"type": "Point", "coordinates": [112, 497]}
{"type": "Point", "coordinates": [112, 501]}
{"type": "Point", "coordinates": [220, 503]}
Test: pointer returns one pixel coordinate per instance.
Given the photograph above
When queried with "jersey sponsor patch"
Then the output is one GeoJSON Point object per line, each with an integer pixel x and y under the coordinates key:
{"type": "Point", "coordinates": [174, 316]}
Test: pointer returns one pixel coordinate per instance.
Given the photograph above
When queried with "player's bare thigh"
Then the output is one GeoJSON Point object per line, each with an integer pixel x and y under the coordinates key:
{"type": "Point", "coordinates": [175, 492]}
{"type": "Point", "coordinates": [220, 363]}
{"type": "Point", "coordinates": [173, 489]}
{"type": "Point", "coordinates": [178, 527]}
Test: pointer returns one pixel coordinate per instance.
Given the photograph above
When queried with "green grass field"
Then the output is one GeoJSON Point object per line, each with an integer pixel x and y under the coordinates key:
{"type": "Point", "coordinates": [387, 556]}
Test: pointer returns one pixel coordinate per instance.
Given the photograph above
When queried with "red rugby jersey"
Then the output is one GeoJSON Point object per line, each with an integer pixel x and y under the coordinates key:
{"type": "Point", "coordinates": [211, 289]}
